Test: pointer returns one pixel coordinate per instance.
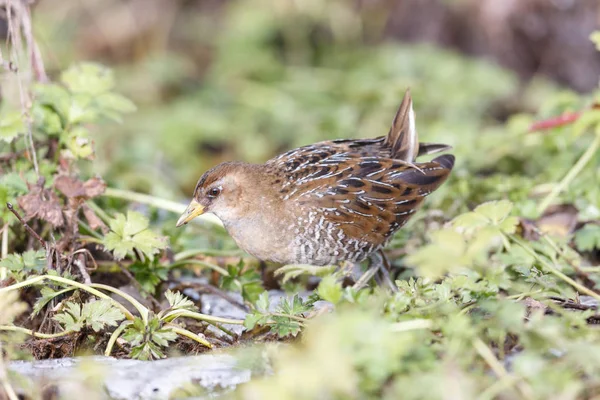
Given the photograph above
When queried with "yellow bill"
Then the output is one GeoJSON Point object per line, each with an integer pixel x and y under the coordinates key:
{"type": "Point", "coordinates": [194, 209]}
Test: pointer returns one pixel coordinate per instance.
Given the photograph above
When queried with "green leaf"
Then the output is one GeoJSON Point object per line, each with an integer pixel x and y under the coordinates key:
{"type": "Point", "coordinates": [11, 125]}
{"type": "Point", "coordinates": [493, 213]}
{"type": "Point", "coordinates": [254, 319]}
{"type": "Point", "coordinates": [70, 318]}
{"type": "Point", "coordinates": [94, 314]}
{"type": "Point", "coordinates": [46, 120]}
{"type": "Point", "coordinates": [113, 104]}
{"type": "Point", "coordinates": [147, 340]}
{"type": "Point", "coordinates": [330, 289]}
{"type": "Point", "coordinates": [446, 252]}
{"type": "Point", "coordinates": [88, 78]}
{"type": "Point", "coordinates": [78, 143]}
{"type": "Point", "coordinates": [48, 294]}
{"type": "Point", "coordinates": [81, 109]}
{"type": "Point", "coordinates": [294, 307]}
{"type": "Point", "coordinates": [100, 314]}
{"type": "Point", "coordinates": [284, 327]}
{"type": "Point", "coordinates": [162, 337]}
{"type": "Point", "coordinates": [149, 274]}
{"type": "Point", "coordinates": [30, 261]}
{"type": "Point", "coordinates": [588, 119]}
{"type": "Point", "coordinates": [588, 237]}
{"type": "Point", "coordinates": [263, 302]}
{"type": "Point", "coordinates": [248, 282]}
{"type": "Point", "coordinates": [54, 97]}
{"type": "Point", "coordinates": [178, 301]}
{"type": "Point", "coordinates": [132, 232]}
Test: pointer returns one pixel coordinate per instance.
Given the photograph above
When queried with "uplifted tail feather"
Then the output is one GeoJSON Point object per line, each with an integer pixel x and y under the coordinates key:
{"type": "Point", "coordinates": [432, 148]}
{"type": "Point", "coordinates": [402, 137]}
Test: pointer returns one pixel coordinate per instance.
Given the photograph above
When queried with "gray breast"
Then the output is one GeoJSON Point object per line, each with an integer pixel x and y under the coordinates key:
{"type": "Point", "coordinates": [321, 242]}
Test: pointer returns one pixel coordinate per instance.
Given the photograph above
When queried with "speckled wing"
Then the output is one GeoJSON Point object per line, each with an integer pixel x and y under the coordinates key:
{"type": "Point", "coordinates": [317, 152]}
{"type": "Point", "coordinates": [369, 198]}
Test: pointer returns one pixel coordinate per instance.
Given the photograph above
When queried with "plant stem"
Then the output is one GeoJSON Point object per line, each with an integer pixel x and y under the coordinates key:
{"type": "Point", "coordinates": [294, 317]}
{"type": "Point", "coordinates": [220, 327]}
{"type": "Point", "coordinates": [114, 336]}
{"type": "Point", "coordinates": [138, 306]}
{"type": "Point", "coordinates": [497, 387]}
{"type": "Point", "coordinates": [521, 295]}
{"type": "Point", "coordinates": [189, 334]}
{"type": "Point", "coordinates": [99, 211]}
{"type": "Point", "coordinates": [4, 250]}
{"type": "Point", "coordinates": [573, 172]}
{"type": "Point", "coordinates": [202, 263]}
{"type": "Point", "coordinates": [171, 316]}
{"type": "Point", "coordinates": [13, 328]}
{"type": "Point", "coordinates": [157, 202]}
{"type": "Point", "coordinates": [40, 279]}
{"type": "Point", "coordinates": [208, 252]}
{"type": "Point", "coordinates": [488, 356]}
{"type": "Point", "coordinates": [412, 325]}
{"type": "Point", "coordinates": [90, 230]}
{"type": "Point", "coordinates": [10, 392]}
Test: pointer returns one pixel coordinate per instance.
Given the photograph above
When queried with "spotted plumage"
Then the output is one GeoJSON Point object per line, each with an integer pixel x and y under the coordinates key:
{"type": "Point", "coordinates": [329, 202]}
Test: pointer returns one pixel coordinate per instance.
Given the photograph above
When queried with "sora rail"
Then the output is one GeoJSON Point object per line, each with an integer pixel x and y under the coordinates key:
{"type": "Point", "coordinates": [325, 203]}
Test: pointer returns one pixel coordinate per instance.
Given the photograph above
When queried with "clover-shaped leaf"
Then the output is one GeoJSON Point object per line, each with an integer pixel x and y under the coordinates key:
{"type": "Point", "coordinates": [330, 289]}
{"type": "Point", "coordinates": [88, 78]}
{"type": "Point", "coordinates": [446, 252]}
{"type": "Point", "coordinates": [29, 261]}
{"type": "Point", "coordinates": [588, 238]}
{"type": "Point", "coordinates": [132, 232]}
{"type": "Point", "coordinates": [11, 125]}
{"type": "Point", "coordinates": [493, 213]}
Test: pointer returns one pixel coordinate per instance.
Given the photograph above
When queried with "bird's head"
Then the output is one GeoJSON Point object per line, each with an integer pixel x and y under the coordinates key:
{"type": "Point", "coordinates": [220, 191]}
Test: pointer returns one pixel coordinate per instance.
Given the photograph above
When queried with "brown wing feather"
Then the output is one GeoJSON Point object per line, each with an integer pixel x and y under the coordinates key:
{"type": "Point", "coordinates": [368, 198]}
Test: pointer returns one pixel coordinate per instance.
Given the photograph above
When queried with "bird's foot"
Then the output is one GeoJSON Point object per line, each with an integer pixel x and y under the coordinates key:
{"type": "Point", "coordinates": [378, 269]}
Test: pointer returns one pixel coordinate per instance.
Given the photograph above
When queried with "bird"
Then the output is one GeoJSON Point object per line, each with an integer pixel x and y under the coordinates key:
{"type": "Point", "coordinates": [326, 203]}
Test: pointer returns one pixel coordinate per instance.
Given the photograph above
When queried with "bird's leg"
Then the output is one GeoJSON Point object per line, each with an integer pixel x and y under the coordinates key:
{"type": "Point", "coordinates": [366, 277]}
{"type": "Point", "coordinates": [378, 268]}
{"type": "Point", "coordinates": [384, 271]}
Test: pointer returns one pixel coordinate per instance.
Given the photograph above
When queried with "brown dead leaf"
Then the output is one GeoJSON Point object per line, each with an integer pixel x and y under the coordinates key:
{"type": "Point", "coordinates": [74, 188]}
{"type": "Point", "coordinates": [93, 220]}
{"type": "Point", "coordinates": [533, 304]}
{"type": "Point", "coordinates": [43, 204]}
{"type": "Point", "coordinates": [559, 220]}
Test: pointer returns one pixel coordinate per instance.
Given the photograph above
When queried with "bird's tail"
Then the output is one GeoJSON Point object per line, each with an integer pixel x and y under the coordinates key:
{"type": "Point", "coordinates": [402, 137]}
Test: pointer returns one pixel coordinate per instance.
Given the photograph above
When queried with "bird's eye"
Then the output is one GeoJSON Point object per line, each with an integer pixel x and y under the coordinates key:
{"type": "Point", "coordinates": [214, 192]}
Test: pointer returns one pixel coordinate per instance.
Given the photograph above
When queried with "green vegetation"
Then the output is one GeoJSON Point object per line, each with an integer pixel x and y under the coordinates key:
{"type": "Point", "coordinates": [491, 273]}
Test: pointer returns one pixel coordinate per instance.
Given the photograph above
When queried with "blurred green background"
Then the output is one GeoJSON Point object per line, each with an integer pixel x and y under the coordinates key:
{"type": "Point", "coordinates": [222, 80]}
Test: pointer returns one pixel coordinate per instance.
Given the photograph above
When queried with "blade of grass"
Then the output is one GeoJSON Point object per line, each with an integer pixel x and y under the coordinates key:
{"type": "Point", "coordinates": [496, 366]}
{"type": "Point", "coordinates": [214, 267]}
{"type": "Point", "coordinates": [573, 172]}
